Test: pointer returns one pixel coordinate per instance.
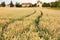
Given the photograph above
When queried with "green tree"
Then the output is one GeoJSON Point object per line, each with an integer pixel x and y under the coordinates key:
{"type": "Point", "coordinates": [59, 3]}
{"type": "Point", "coordinates": [0, 5]}
{"type": "Point", "coordinates": [30, 5]}
{"type": "Point", "coordinates": [34, 5]}
{"type": "Point", "coordinates": [46, 5]}
{"type": "Point", "coordinates": [18, 5]}
{"type": "Point", "coordinates": [11, 4]}
{"type": "Point", "coordinates": [54, 4]}
{"type": "Point", "coordinates": [3, 4]}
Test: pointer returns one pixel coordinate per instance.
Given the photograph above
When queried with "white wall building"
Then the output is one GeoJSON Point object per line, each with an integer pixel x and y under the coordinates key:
{"type": "Point", "coordinates": [39, 3]}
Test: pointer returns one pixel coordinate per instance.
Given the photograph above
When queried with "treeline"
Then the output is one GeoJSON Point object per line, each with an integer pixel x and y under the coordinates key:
{"type": "Point", "coordinates": [3, 4]}
{"type": "Point", "coordinates": [52, 4]}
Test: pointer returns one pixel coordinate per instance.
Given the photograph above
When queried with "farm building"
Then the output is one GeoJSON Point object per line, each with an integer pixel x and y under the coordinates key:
{"type": "Point", "coordinates": [26, 4]}
{"type": "Point", "coordinates": [7, 5]}
{"type": "Point", "coordinates": [39, 3]}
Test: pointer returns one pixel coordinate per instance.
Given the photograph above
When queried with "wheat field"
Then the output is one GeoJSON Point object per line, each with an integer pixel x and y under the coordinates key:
{"type": "Point", "coordinates": [29, 24]}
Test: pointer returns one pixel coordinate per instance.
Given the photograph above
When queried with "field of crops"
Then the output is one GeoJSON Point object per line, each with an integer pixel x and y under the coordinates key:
{"type": "Point", "coordinates": [50, 23]}
{"type": "Point", "coordinates": [29, 24]}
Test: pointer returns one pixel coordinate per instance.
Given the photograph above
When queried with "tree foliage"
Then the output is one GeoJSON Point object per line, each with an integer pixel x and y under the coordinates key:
{"type": "Point", "coordinates": [11, 4]}
{"type": "Point", "coordinates": [34, 5]}
{"type": "Point", "coordinates": [52, 4]}
{"type": "Point", "coordinates": [46, 5]}
{"type": "Point", "coordinates": [55, 4]}
{"type": "Point", "coordinates": [18, 5]}
{"type": "Point", "coordinates": [3, 4]}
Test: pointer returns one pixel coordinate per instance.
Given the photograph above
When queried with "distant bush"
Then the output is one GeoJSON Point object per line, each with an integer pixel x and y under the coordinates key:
{"type": "Point", "coordinates": [3, 4]}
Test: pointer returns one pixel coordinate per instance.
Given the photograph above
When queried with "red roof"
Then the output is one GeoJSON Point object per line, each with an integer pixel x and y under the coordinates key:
{"type": "Point", "coordinates": [26, 3]}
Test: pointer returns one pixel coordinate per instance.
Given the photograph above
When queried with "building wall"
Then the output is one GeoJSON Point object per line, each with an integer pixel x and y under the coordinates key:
{"type": "Point", "coordinates": [25, 5]}
{"type": "Point", "coordinates": [39, 4]}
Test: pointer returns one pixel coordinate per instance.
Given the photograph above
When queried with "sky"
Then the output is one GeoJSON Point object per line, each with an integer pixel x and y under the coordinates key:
{"type": "Point", "coordinates": [21, 1]}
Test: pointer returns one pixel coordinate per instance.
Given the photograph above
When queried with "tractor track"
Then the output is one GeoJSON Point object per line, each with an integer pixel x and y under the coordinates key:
{"type": "Point", "coordinates": [36, 22]}
{"type": "Point", "coordinates": [13, 20]}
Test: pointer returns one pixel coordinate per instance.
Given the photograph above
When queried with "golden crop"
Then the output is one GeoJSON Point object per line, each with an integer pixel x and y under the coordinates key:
{"type": "Point", "coordinates": [29, 24]}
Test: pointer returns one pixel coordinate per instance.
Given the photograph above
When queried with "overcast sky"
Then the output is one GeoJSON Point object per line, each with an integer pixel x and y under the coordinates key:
{"type": "Point", "coordinates": [33, 1]}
